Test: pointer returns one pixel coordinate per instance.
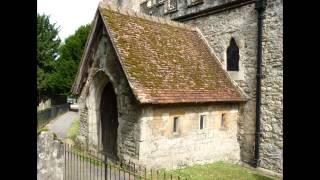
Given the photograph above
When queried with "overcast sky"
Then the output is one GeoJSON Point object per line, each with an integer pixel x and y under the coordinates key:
{"type": "Point", "coordinates": [68, 14]}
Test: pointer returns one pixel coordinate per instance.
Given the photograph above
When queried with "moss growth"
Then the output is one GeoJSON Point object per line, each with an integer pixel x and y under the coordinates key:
{"type": "Point", "coordinates": [160, 57]}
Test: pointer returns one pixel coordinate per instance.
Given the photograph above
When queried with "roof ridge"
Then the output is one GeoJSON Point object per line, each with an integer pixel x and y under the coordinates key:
{"type": "Point", "coordinates": [157, 19]}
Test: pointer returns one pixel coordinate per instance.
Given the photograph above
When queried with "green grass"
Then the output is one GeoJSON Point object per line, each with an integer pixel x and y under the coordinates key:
{"type": "Point", "coordinates": [86, 156]}
{"type": "Point", "coordinates": [219, 170]}
{"type": "Point", "coordinates": [215, 171]}
{"type": "Point", "coordinates": [91, 158]}
{"type": "Point", "coordinates": [73, 131]}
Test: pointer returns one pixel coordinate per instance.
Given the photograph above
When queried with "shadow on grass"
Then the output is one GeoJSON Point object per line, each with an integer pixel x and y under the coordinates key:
{"type": "Point", "coordinates": [260, 177]}
{"type": "Point", "coordinates": [221, 171]}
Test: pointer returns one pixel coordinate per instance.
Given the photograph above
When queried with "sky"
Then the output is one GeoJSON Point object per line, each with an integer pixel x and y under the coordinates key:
{"type": "Point", "coordinates": [68, 14]}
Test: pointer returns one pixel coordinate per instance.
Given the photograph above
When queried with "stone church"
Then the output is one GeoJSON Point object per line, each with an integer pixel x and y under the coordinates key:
{"type": "Point", "coordinates": [169, 83]}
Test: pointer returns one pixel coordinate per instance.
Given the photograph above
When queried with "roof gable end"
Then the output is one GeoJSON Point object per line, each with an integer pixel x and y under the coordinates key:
{"type": "Point", "coordinates": [165, 61]}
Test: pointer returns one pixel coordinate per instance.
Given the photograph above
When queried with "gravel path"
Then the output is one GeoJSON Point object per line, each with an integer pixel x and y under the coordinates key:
{"type": "Point", "coordinates": [62, 123]}
{"type": "Point", "coordinates": [77, 168]}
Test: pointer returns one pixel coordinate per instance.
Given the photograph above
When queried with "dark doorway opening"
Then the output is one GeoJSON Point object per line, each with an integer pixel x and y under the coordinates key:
{"type": "Point", "coordinates": [109, 121]}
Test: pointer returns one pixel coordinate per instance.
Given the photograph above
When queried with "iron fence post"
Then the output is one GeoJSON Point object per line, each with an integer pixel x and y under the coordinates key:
{"type": "Point", "coordinates": [105, 167]}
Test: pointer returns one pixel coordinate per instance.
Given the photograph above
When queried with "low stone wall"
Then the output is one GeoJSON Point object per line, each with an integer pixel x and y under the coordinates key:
{"type": "Point", "coordinates": [44, 105]}
{"type": "Point", "coordinates": [50, 157]}
{"type": "Point", "coordinates": [160, 147]}
{"type": "Point", "coordinates": [46, 115]}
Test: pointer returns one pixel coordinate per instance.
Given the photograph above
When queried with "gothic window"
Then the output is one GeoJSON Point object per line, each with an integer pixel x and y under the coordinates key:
{"type": "Point", "coordinates": [233, 56]}
{"type": "Point", "coordinates": [170, 6]}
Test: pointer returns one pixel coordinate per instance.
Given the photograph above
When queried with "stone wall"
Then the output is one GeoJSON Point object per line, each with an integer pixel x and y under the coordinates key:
{"type": "Point", "coordinates": [130, 4]}
{"type": "Point", "coordinates": [84, 129]}
{"type": "Point", "coordinates": [218, 29]}
{"type": "Point", "coordinates": [106, 68]}
{"type": "Point", "coordinates": [182, 7]}
{"type": "Point", "coordinates": [271, 147]}
{"type": "Point", "coordinates": [44, 105]}
{"type": "Point", "coordinates": [160, 147]}
{"type": "Point", "coordinates": [50, 157]}
{"type": "Point", "coordinates": [241, 23]}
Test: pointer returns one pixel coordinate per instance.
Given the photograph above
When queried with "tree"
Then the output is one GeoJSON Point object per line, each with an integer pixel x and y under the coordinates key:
{"type": "Point", "coordinates": [67, 64]}
{"type": "Point", "coordinates": [47, 50]}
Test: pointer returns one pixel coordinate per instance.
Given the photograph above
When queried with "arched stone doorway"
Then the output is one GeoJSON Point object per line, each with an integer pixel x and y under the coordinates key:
{"type": "Point", "coordinates": [101, 99]}
{"type": "Point", "coordinates": [109, 121]}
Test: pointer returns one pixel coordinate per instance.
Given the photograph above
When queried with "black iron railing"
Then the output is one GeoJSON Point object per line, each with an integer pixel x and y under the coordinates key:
{"type": "Point", "coordinates": [83, 164]}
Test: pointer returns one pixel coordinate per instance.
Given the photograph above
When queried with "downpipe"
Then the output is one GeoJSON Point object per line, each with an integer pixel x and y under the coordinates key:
{"type": "Point", "coordinates": [260, 7]}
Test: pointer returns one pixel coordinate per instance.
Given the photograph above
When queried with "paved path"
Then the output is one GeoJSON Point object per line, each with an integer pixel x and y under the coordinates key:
{"type": "Point", "coordinates": [62, 123]}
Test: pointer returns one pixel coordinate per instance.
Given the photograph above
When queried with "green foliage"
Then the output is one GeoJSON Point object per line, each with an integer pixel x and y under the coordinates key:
{"type": "Point", "coordinates": [73, 131]}
{"type": "Point", "coordinates": [57, 63]}
{"type": "Point", "coordinates": [74, 45]}
{"type": "Point", "coordinates": [67, 64]}
{"type": "Point", "coordinates": [47, 50]}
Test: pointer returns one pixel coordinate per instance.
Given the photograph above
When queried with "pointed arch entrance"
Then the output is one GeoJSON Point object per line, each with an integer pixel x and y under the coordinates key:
{"type": "Point", "coordinates": [109, 121]}
{"type": "Point", "coordinates": [103, 115]}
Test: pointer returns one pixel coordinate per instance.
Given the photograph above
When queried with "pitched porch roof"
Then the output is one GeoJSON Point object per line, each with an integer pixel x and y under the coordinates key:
{"type": "Point", "coordinates": [165, 61]}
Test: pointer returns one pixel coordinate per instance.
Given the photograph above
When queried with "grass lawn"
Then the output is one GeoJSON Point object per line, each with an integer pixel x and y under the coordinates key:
{"type": "Point", "coordinates": [74, 129]}
{"type": "Point", "coordinates": [219, 170]}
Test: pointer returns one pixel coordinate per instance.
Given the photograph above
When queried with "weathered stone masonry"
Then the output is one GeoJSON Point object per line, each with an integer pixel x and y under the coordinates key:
{"type": "Point", "coordinates": [218, 30]}
{"type": "Point", "coordinates": [271, 148]}
{"type": "Point", "coordinates": [83, 131]}
{"type": "Point", "coordinates": [160, 147]}
{"type": "Point", "coordinates": [241, 24]}
{"type": "Point", "coordinates": [50, 157]}
{"type": "Point", "coordinates": [144, 133]}
{"type": "Point", "coordinates": [104, 69]}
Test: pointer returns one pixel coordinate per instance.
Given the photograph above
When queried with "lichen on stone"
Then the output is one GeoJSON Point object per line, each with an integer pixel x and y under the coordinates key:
{"type": "Point", "coordinates": [167, 62]}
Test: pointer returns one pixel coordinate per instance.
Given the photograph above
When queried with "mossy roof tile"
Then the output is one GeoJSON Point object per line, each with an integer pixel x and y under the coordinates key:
{"type": "Point", "coordinates": [165, 62]}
